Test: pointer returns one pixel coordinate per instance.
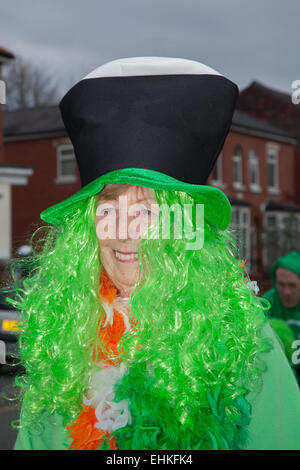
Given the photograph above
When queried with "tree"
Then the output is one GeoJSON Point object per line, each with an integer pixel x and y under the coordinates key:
{"type": "Point", "coordinates": [28, 85]}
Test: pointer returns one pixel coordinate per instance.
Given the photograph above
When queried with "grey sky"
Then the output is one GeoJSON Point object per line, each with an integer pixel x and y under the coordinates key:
{"type": "Point", "coordinates": [245, 40]}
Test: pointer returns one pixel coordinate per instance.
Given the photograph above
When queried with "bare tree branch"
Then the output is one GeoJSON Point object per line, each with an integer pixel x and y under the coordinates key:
{"type": "Point", "coordinates": [28, 85]}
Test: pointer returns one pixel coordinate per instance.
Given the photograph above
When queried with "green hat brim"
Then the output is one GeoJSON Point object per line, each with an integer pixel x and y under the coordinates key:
{"type": "Point", "coordinates": [217, 208]}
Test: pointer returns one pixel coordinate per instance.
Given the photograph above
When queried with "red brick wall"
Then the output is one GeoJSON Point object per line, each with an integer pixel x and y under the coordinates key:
{"type": "Point", "coordinates": [286, 168]}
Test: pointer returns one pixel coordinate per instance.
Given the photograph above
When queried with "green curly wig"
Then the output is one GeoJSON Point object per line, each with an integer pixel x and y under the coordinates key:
{"type": "Point", "coordinates": [193, 358]}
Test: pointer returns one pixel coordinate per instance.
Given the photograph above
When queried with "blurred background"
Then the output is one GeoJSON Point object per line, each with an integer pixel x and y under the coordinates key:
{"type": "Point", "coordinates": [45, 47]}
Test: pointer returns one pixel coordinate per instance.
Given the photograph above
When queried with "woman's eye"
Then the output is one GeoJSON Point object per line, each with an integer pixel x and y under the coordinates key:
{"type": "Point", "coordinates": [106, 211]}
{"type": "Point", "coordinates": [146, 211]}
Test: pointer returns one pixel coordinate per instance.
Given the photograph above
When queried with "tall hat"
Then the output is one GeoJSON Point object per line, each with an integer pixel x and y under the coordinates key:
{"type": "Point", "coordinates": [149, 121]}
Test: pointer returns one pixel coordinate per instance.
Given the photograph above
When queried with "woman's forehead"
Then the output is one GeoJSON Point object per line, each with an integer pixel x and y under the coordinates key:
{"type": "Point", "coordinates": [113, 191]}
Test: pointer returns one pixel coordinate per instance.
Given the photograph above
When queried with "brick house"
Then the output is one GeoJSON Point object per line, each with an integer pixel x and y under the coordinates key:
{"type": "Point", "coordinates": [255, 170]}
{"type": "Point", "coordinates": [37, 136]}
{"type": "Point", "coordinates": [282, 110]}
{"type": "Point", "coordinates": [278, 109]}
{"type": "Point", "coordinates": [11, 175]}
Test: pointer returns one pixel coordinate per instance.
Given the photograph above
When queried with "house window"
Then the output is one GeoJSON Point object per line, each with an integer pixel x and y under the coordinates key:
{"type": "Point", "coordinates": [254, 234]}
{"type": "Point", "coordinates": [271, 222]}
{"type": "Point", "coordinates": [240, 222]}
{"type": "Point", "coordinates": [66, 164]}
{"type": "Point", "coordinates": [217, 173]}
{"type": "Point", "coordinates": [272, 168]}
{"type": "Point", "coordinates": [281, 235]}
{"type": "Point", "coordinates": [237, 168]}
{"type": "Point", "coordinates": [254, 171]}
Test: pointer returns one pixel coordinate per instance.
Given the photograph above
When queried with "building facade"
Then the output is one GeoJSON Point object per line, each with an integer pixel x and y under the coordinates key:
{"type": "Point", "coordinates": [11, 175]}
{"type": "Point", "coordinates": [256, 170]}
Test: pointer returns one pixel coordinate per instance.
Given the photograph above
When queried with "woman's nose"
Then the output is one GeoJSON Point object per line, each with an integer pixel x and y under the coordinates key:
{"type": "Point", "coordinates": [123, 224]}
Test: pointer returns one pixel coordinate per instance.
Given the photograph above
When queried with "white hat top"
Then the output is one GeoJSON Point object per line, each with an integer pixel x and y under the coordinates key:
{"type": "Point", "coordinates": [137, 66]}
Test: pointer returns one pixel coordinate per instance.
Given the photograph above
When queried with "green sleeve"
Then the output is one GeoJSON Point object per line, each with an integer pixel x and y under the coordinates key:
{"type": "Point", "coordinates": [53, 437]}
{"type": "Point", "coordinates": [274, 423]}
{"type": "Point", "coordinates": [276, 408]}
{"type": "Point", "coordinates": [269, 294]}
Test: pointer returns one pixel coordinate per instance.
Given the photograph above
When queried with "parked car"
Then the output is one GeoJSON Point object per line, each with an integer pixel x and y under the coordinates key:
{"type": "Point", "coordinates": [9, 317]}
{"type": "Point", "coordinates": [9, 321]}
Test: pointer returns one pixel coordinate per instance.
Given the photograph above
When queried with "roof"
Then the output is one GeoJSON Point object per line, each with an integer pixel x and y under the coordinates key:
{"type": "Point", "coordinates": [271, 107]}
{"type": "Point", "coordinates": [234, 201]}
{"type": "Point", "coordinates": [272, 205]}
{"type": "Point", "coordinates": [5, 53]}
{"type": "Point", "coordinates": [43, 121]}
{"type": "Point", "coordinates": [32, 122]}
{"type": "Point", "coordinates": [245, 121]}
{"type": "Point", "coordinates": [5, 166]}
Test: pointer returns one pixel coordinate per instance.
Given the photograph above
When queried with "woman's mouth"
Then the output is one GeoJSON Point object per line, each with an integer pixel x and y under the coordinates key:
{"type": "Point", "coordinates": [126, 257]}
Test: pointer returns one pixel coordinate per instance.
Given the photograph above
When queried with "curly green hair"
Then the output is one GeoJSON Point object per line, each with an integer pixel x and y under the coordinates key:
{"type": "Point", "coordinates": [199, 334]}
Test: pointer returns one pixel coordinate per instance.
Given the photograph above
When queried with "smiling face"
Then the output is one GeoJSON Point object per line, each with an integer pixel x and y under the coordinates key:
{"type": "Point", "coordinates": [123, 214]}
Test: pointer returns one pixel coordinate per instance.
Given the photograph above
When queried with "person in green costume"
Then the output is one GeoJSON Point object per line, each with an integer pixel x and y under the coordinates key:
{"type": "Point", "coordinates": [284, 297]}
{"type": "Point", "coordinates": [201, 367]}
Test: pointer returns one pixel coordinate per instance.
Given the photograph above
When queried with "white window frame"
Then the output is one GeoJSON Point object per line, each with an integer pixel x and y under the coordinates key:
{"type": "Point", "coordinates": [219, 170]}
{"type": "Point", "coordinates": [237, 158]}
{"type": "Point", "coordinates": [254, 166]}
{"type": "Point", "coordinates": [253, 248]}
{"type": "Point", "coordinates": [243, 224]}
{"type": "Point", "coordinates": [273, 159]}
{"type": "Point", "coordinates": [6, 220]}
{"type": "Point", "coordinates": [279, 226]}
{"type": "Point", "coordinates": [59, 158]}
{"type": "Point", "coordinates": [280, 216]}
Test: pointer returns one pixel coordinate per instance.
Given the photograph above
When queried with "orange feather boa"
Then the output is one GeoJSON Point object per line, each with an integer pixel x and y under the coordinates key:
{"type": "Point", "coordinates": [83, 433]}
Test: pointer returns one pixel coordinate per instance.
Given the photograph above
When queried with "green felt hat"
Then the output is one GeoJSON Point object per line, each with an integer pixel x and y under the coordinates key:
{"type": "Point", "coordinates": [149, 121]}
{"type": "Point", "coordinates": [217, 208]}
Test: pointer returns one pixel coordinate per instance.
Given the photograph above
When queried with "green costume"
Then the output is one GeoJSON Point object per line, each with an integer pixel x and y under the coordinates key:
{"type": "Point", "coordinates": [285, 320]}
{"type": "Point", "coordinates": [274, 421]}
{"type": "Point", "coordinates": [192, 360]}
{"type": "Point", "coordinates": [291, 261]}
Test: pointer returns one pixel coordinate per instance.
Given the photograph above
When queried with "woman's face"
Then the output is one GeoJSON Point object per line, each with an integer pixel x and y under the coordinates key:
{"type": "Point", "coordinates": [123, 214]}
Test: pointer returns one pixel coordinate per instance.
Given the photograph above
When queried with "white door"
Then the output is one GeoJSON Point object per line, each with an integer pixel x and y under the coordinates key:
{"type": "Point", "coordinates": [5, 220]}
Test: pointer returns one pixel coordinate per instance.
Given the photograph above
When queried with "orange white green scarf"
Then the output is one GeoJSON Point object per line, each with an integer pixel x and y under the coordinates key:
{"type": "Point", "coordinates": [100, 415]}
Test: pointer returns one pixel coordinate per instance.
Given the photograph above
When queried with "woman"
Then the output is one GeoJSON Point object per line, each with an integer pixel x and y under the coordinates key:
{"type": "Point", "coordinates": [139, 332]}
